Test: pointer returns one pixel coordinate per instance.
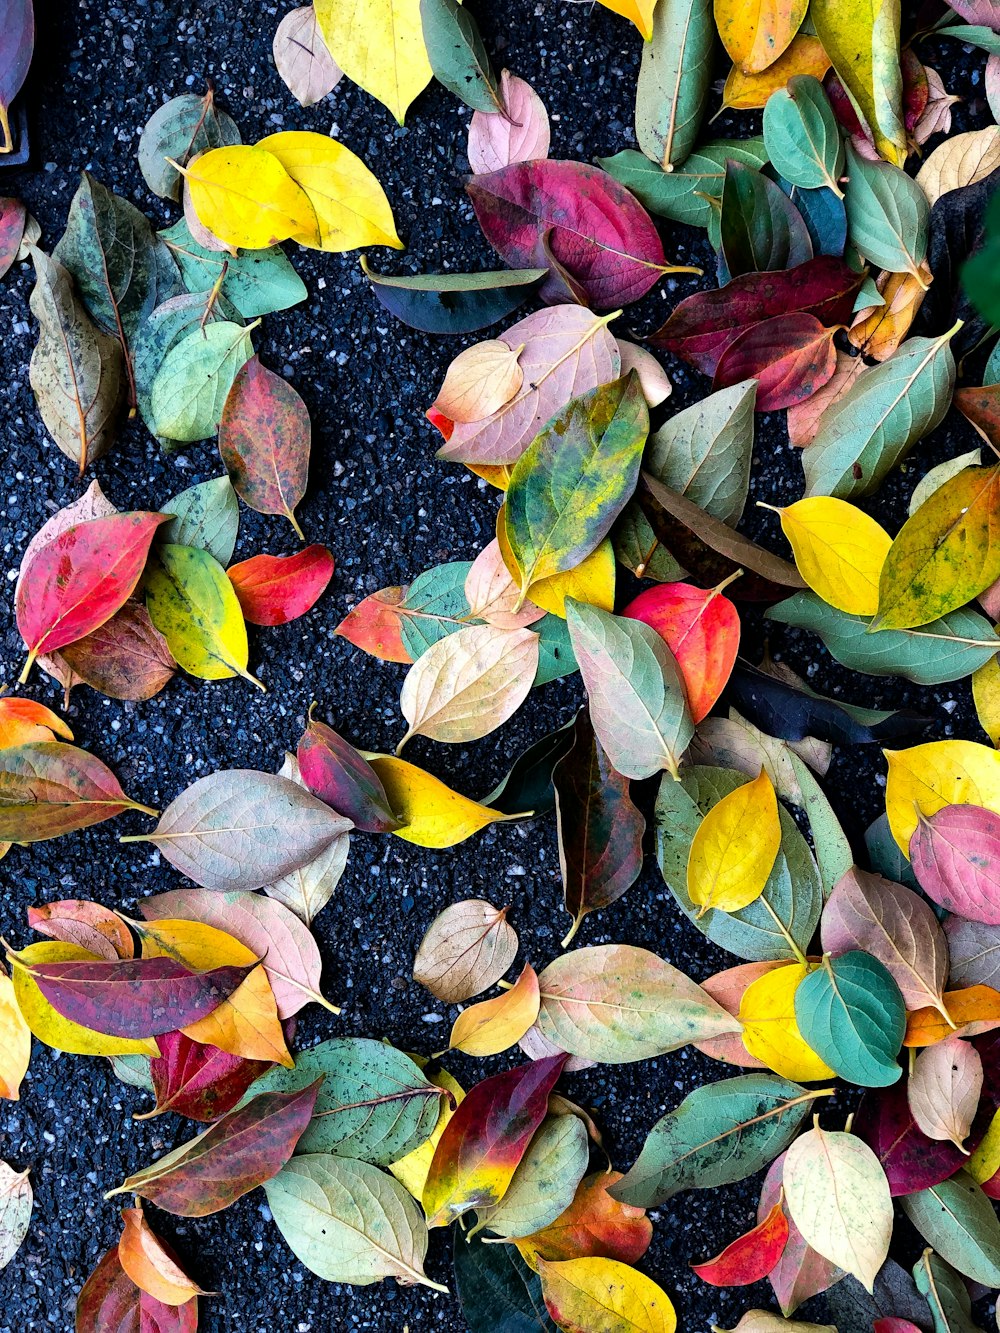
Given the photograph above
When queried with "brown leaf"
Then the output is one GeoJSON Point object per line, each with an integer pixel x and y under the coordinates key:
{"type": "Point", "coordinates": [466, 949]}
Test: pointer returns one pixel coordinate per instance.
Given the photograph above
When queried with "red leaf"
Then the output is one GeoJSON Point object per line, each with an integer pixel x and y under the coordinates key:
{"type": "Point", "coordinates": [981, 406]}
{"type": "Point", "coordinates": [48, 788]}
{"type": "Point", "coordinates": [374, 626]}
{"type": "Point", "coordinates": [892, 1324]}
{"type": "Point", "coordinates": [790, 357]}
{"type": "Point", "coordinates": [110, 1302]}
{"type": "Point", "coordinates": [438, 419]}
{"type": "Point", "coordinates": [486, 1138]}
{"type": "Point", "coordinates": [577, 215]}
{"type": "Point", "coordinates": [264, 438]}
{"type": "Point", "coordinates": [93, 927]}
{"type": "Point", "coordinates": [334, 771]}
{"type": "Point", "coordinates": [125, 658]}
{"type": "Point", "coordinates": [13, 216]}
{"type": "Point", "coordinates": [702, 630]}
{"type": "Point", "coordinates": [78, 580]}
{"type": "Point", "coordinates": [703, 325]}
{"type": "Point", "coordinates": [749, 1258]}
{"type": "Point", "coordinates": [200, 1082]}
{"type": "Point", "coordinates": [955, 856]}
{"type": "Point", "coordinates": [239, 1152]}
{"type": "Point", "coordinates": [135, 997]}
{"type": "Point", "coordinates": [274, 589]}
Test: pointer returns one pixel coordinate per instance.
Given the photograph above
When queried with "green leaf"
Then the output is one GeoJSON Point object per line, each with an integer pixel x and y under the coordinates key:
{"type": "Point", "coordinates": [637, 701]}
{"type": "Point", "coordinates": [942, 651]}
{"type": "Point", "coordinates": [674, 79]}
{"type": "Point", "coordinates": [573, 480]}
{"type": "Point", "coordinates": [545, 1181]}
{"type": "Point", "coordinates": [498, 1291]}
{"type": "Point", "coordinates": [207, 516]}
{"type": "Point", "coordinates": [704, 453]}
{"type": "Point", "coordinates": [787, 913]}
{"type": "Point", "coordinates": [180, 129]}
{"type": "Point", "coordinates": [193, 605]}
{"type": "Point", "coordinates": [802, 136]}
{"type": "Point", "coordinates": [458, 56]}
{"type": "Point", "coordinates": [946, 1294]}
{"type": "Point", "coordinates": [374, 1104]}
{"type": "Point", "coordinates": [946, 554]}
{"type": "Point", "coordinates": [687, 194]}
{"type": "Point", "coordinates": [851, 1012]}
{"type": "Point", "coordinates": [257, 282]}
{"type": "Point", "coordinates": [861, 37]}
{"type": "Point", "coordinates": [761, 230]}
{"type": "Point", "coordinates": [168, 323]}
{"type": "Point", "coordinates": [435, 605]}
{"type": "Point", "coordinates": [720, 1133]}
{"type": "Point", "coordinates": [887, 215]}
{"type": "Point", "coordinates": [973, 34]}
{"type": "Point", "coordinates": [348, 1221]}
{"type": "Point", "coordinates": [121, 268]}
{"type": "Point", "coordinates": [864, 434]}
{"type": "Point", "coordinates": [194, 379]}
{"type": "Point", "coordinates": [555, 651]}
{"type": "Point", "coordinates": [958, 1220]}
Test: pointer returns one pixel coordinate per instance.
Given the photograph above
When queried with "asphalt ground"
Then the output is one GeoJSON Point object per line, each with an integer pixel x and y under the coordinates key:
{"type": "Point", "coordinates": [388, 510]}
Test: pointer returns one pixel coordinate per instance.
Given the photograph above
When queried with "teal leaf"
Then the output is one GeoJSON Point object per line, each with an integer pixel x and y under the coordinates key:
{"type": "Point", "coordinates": [851, 1012]}
{"type": "Point", "coordinates": [206, 515]}
{"type": "Point", "coordinates": [180, 129]}
{"type": "Point", "coordinates": [802, 136]}
{"type": "Point", "coordinates": [887, 215]}
{"type": "Point", "coordinates": [958, 1221]}
{"type": "Point", "coordinates": [760, 228]}
{"type": "Point", "coordinates": [435, 605]}
{"type": "Point", "coordinates": [674, 80]}
{"type": "Point", "coordinates": [498, 1291]}
{"type": "Point", "coordinates": [686, 194]}
{"type": "Point", "coordinates": [257, 282]}
{"type": "Point", "coordinates": [946, 1293]}
{"type": "Point", "coordinates": [457, 54]}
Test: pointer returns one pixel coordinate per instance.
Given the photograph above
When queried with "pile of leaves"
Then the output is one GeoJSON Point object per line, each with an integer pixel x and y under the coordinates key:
{"type": "Point", "coordinates": [847, 280]}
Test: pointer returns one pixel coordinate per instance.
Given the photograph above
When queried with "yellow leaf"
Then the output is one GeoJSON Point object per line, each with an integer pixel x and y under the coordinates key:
{"type": "Point", "coordinates": [433, 815]}
{"type": "Point", "coordinates": [350, 206]}
{"type": "Point", "coordinates": [495, 1025]}
{"type": "Point", "coordinates": [748, 92]}
{"type": "Point", "coordinates": [985, 1161]}
{"type": "Point", "coordinates": [986, 696]}
{"type": "Point", "coordinates": [586, 1295]}
{"type": "Point", "coordinates": [246, 198]}
{"type": "Point", "coordinates": [934, 775]}
{"type": "Point", "coordinates": [380, 45]}
{"type": "Point", "coordinates": [497, 475]}
{"type": "Point", "coordinates": [839, 551]}
{"type": "Point", "coordinates": [592, 581]}
{"type": "Point", "coordinates": [15, 1041]}
{"type": "Point", "coordinates": [24, 722]}
{"type": "Point", "coordinates": [734, 850]}
{"type": "Point", "coordinates": [245, 1024]}
{"type": "Point", "coordinates": [756, 32]}
{"type": "Point", "coordinates": [411, 1170]}
{"type": "Point", "coordinates": [862, 39]}
{"type": "Point", "coordinates": [49, 1026]}
{"type": "Point", "coordinates": [639, 12]}
{"type": "Point", "coordinates": [770, 1032]}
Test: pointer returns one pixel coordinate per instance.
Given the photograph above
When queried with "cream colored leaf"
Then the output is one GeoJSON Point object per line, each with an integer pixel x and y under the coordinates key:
{"type": "Point", "coordinates": [936, 118]}
{"type": "Point", "coordinates": [467, 948]}
{"type": "Point", "coordinates": [468, 683]}
{"type": "Point", "coordinates": [943, 1089]}
{"type": "Point", "coordinates": [962, 160]}
{"type": "Point", "coordinates": [838, 1197]}
{"type": "Point", "coordinates": [480, 381]}
{"type": "Point", "coordinates": [653, 379]}
{"type": "Point", "coordinates": [492, 593]}
{"type": "Point", "coordinates": [16, 1199]}
{"type": "Point", "coordinates": [307, 68]}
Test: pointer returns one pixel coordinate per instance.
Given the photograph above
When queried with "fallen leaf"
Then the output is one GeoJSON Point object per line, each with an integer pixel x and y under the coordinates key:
{"type": "Point", "coordinates": [430, 813]}
{"type": "Point", "coordinates": [770, 1029]}
{"type": "Point", "coordinates": [453, 302]}
{"type": "Point", "coordinates": [734, 849]}
{"type": "Point", "coordinates": [93, 927]}
{"type": "Point", "coordinates": [926, 778]}
{"type": "Point", "coordinates": [190, 388]}
{"type": "Point", "coordinates": [307, 69]}
{"type": "Point", "coordinates": [519, 134]}
{"type": "Point", "coordinates": [125, 658]}
{"type": "Point", "coordinates": [838, 1197]}
{"type": "Point", "coordinates": [594, 1225]}
{"type": "Point", "coordinates": [492, 1026]}
{"type": "Point", "coordinates": [379, 44]}
{"type": "Point", "coordinates": [749, 1258]}
{"type": "Point", "coordinates": [972, 1011]}
{"type": "Point", "coordinates": [910, 1159]}
{"type": "Point", "coordinates": [206, 515]}
{"type": "Point", "coordinates": [15, 1041]}
{"type": "Point", "coordinates": [492, 594]}
{"type": "Point", "coordinates": [878, 331]}
{"type": "Point", "coordinates": [457, 54]}
{"type": "Point", "coordinates": [800, 1272]}
{"type": "Point", "coordinates": [804, 418]}
{"type": "Point", "coordinates": [579, 1292]}
{"type": "Point", "coordinates": [16, 1200]}
{"type": "Point", "coordinates": [960, 161]}
{"type": "Point", "coordinates": [955, 853]}
{"type": "Point", "coordinates": [264, 439]}
{"type": "Point", "coordinates": [839, 550]}
{"type": "Point", "coordinates": [790, 357]}
{"type": "Point", "coordinates": [803, 55]}
{"type": "Point", "coordinates": [197, 1081]}
{"type": "Point", "coordinates": [374, 625]}
{"type": "Point", "coordinates": [15, 60]}
{"type": "Point", "coordinates": [944, 1088]}
{"type": "Point", "coordinates": [335, 772]}
{"type": "Point", "coordinates": [23, 722]}
{"type": "Point", "coordinates": [274, 209]}
{"type": "Point", "coordinates": [802, 136]}
{"type": "Point", "coordinates": [181, 128]}
{"type": "Point", "coordinates": [274, 589]}
{"type": "Point", "coordinates": [150, 1264]}
{"type": "Point", "coordinates": [110, 1299]}
{"type": "Point", "coordinates": [862, 40]}
{"type": "Point", "coordinates": [466, 950]}
{"type": "Point", "coordinates": [851, 1012]}
{"type": "Point", "coordinates": [479, 381]}
{"type": "Point", "coordinates": [756, 37]}
{"type": "Point", "coordinates": [52, 788]}
{"type": "Point", "coordinates": [239, 1152]}
{"type": "Point", "coordinates": [674, 75]}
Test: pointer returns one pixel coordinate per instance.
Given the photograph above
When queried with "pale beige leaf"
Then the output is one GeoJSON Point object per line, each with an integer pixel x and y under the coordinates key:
{"type": "Point", "coordinates": [307, 889]}
{"type": "Point", "coordinates": [307, 68]}
{"type": "Point", "coordinates": [492, 593]}
{"type": "Point", "coordinates": [520, 136]}
{"type": "Point", "coordinates": [480, 381]}
{"type": "Point", "coordinates": [961, 160]}
{"type": "Point", "coordinates": [466, 949]}
{"type": "Point", "coordinates": [943, 1089]}
{"type": "Point", "coordinates": [764, 1321]}
{"type": "Point", "coordinates": [838, 1197]}
{"type": "Point", "coordinates": [653, 379]}
{"type": "Point", "coordinates": [468, 683]}
{"type": "Point", "coordinates": [16, 1200]}
{"type": "Point", "coordinates": [936, 118]}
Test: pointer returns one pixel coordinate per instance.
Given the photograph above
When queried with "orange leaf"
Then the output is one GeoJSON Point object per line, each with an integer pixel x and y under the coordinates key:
{"type": "Point", "coordinates": [878, 330]}
{"type": "Point", "coordinates": [973, 1010]}
{"type": "Point", "coordinates": [748, 92]}
{"type": "Point", "coordinates": [495, 1025]}
{"type": "Point", "coordinates": [150, 1265]}
{"type": "Point", "coordinates": [593, 1224]}
{"type": "Point", "coordinates": [374, 626]}
{"type": "Point", "coordinates": [23, 722]}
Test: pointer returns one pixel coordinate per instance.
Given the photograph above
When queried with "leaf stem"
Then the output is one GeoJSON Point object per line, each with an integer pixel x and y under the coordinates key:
{"type": "Point", "coordinates": [799, 955]}
{"type": "Point", "coordinates": [568, 937]}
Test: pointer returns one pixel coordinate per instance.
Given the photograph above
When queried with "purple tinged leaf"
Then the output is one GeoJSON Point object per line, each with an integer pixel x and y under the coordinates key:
{"type": "Point", "coordinates": [896, 926]}
{"type": "Point", "coordinates": [17, 42]}
{"type": "Point", "coordinates": [955, 855]}
{"type": "Point", "coordinates": [975, 953]}
{"type": "Point", "coordinates": [334, 771]}
{"type": "Point", "coordinates": [910, 1159]}
{"type": "Point", "coordinates": [522, 135]}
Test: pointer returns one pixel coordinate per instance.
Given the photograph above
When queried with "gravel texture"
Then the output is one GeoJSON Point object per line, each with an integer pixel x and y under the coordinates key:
{"type": "Point", "coordinates": [388, 510]}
